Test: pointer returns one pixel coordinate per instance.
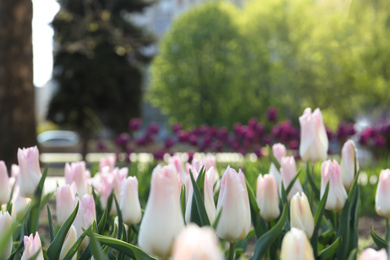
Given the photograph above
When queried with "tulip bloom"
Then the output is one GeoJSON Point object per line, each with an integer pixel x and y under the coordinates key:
{"type": "Point", "coordinates": [85, 217]}
{"type": "Point", "coordinates": [267, 197]}
{"type": "Point", "coordinates": [31, 246]}
{"type": "Point", "coordinates": [372, 254]}
{"type": "Point", "coordinates": [314, 141]}
{"type": "Point", "coordinates": [70, 239]}
{"type": "Point", "coordinates": [5, 190]}
{"type": "Point", "coordinates": [65, 197]}
{"type": "Point", "coordinates": [235, 221]}
{"type": "Point", "coordinates": [347, 164]}
{"type": "Point", "coordinates": [279, 151]}
{"type": "Point", "coordinates": [300, 214]}
{"type": "Point", "coordinates": [108, 163]}
{"type": "Point", "coordinates": [330, 172]}
{"type": "Point", "coordinates": [77, 173]}
{"type": "Point", "coordinates": [30, 173]}
{"type": "Point", "coordinates": [129, 202]}
{"type": "Point", "coordinates": [163, 220]}
{"type": "Point", "coordinates": [5, 223]}
{"type": "Point", "coordinates": [296, 246]}
{"type": "Point", "coordinates": [288, 170]}
{"type": "Point", "coordinates": [382, 196]}
{"type": "Point", "coordinates": [195, 243]}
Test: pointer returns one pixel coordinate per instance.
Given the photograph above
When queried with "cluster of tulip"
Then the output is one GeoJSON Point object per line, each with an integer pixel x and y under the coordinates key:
{"type": "Point", "coordinates": [101, 216]}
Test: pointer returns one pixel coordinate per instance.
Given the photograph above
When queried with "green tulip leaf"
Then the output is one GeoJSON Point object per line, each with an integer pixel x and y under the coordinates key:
{"type": "Point", "coordinates": [198, 200]}
{"type": "Point", "coordinates": [258, 223]}
{"type": "Point", "coordinates": [95, 247]}
{"type": "Point", "coordinates": [380, 242]}
{"type": "Point", "coordinates": [317, 220]}
{"type": "Point", "coordinates": [272, 158]}
{"type": "Point", "coordinates": [352, 255]}
{"type": "Point", "coordinates": [328, 252]}
{"type": "Point", "coordinates": [183, 201]}
{"type": "Point", "coordinates": [120, 219]}
{"type": "Point", "coordinates": [217, 218]}
{"type": "Point", "coordinates": [312, 182]}
{"type": "Point", "coordinates": [266, 240]}
{"type": "Point", "coordinates": [51, 227]}
{"type": "Point", "coordinates": [75, 247]}
{"type": "Point", "coordinates": [289, 187]}
{"type": "Point", "coordinates": [102, 222]}
{"type": "Point", "coordinates": [53, 252]}
{"type": "Point", "coordinates": [126, 248]}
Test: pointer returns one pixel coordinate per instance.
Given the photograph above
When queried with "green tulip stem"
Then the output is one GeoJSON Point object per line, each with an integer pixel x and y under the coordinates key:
{"type": "Point", "coordinates": [231, 250]}
{"type": "Point", "coordinates": [387, 230]}
{"type": "Point", "coordinates": [336, 221]}
{"type": "Point", "coordinates": [129, 235]}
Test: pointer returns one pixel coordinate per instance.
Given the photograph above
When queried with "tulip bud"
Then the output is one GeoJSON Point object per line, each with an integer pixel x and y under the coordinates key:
{"type": "Point", "coordinates": [314, 141]}
{"type": "Point", "coordinates": [195, 243]}
{"type": "Point", "coordinates": [5, 223]}
{"type": "Point", "coordinates": [31, 246]}
{"type": "Point", "coordinates": [85, 217]}
{"type": "Point", "coordinates": [267, 197]}
{"type": "Point", "coordinates": [296, 246]}
{"type": "Point", "coordinates": [330, 172]}
{"type": "Point", "coordinates": [347, 164]}
{"type": "Point", "coordinates": [65, 197]}
{"type": "Point", "coordinates": [382, 196]}
{"type": "Point", "coordinates": [119, 176]}
{"type": "Point", "coordinates": [30, 173]}
{"type": "Point", "coordinates": [371, 254]}
{"type": "Point", "coordinates": [279, 151]}
{"type": "Point", "coordinates": [235, 220]}
{"type": "Point", "coordinates": [70, 239]}
{"type": "Point", "coordinates": [129, 202]}
{"type": "Point", "coordinates": [163, 220]}
{"type": "Point", "coordinates": [5, 190]}
{"type": "Point", "coordinates": [108, 163]}
{"type": "Point", "coordinates": [77, 173]}
{"type": "Point", "coordinates": [288, 170]}
{"type": "Point", "coordinates": [300, 214]}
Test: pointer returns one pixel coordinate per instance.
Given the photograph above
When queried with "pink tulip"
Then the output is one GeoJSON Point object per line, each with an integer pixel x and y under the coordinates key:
{"type": "Point", "coordinates": [163, 220]}
{"type": "Point", "coordinates": [65, 197]}
{"type": "Point", "coordinates": [85, 217]}
{"type": "Point", "coordinates": [267, 197]}
{"type": "Point", "coordinates": [30, 173]}
{"type": "Point", "coordinates": [19, 204]}
{"type": "Point", "coordinates": [77, 173]}
{"type": "Point", "coordinates": [195, 243]}
{"type": "Point", "coordinates": [31, 246]}
{"type": "Point", "coordinates": [108, 163]}
{"type": "Point", "coordinates": [314, 141]}
{"type": "Point", "coordinates": [288, 170]}
{"type": "Point", "coordinates": [382, 204]}
{"type": "Point", "coordinates": [235, 221]}
{"type": "Point", "coordinates": [5, 191]}
{"type": "Point", "coordinates": [330, 172]}
{"type": "Point", "coordinates": [296, 246]}
{"type": "Point", "coordinates": [279, 151]}
{"type": "Point", "coordinates": [347, 165]}
{"type": "Point", "coordinates": [70, 239]}
{"type": "Point", "coordinates": [300, 214]}
{"type": "Point", "coordinates": [177, 162]}
{"type": "Point", "coordinates": [5, 223]}
{"type": "Point", "coordinates": [372, 254]}
{"type": "Point", "coordinates": [129, 202]}
{"type": "Point", "coordinates": [119, 176]}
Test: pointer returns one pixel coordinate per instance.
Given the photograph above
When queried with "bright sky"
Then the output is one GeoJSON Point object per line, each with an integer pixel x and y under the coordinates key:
{"type": "Point", "coordinates": [43, 13]}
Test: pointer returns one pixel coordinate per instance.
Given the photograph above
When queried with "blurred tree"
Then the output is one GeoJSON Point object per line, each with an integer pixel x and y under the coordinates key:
{"type": "Point", "coordinates": [98, 64]}
{"type": "Point", "coordinates": [204, 72]}
{"type": "Point", "coordinates": [17, 118]}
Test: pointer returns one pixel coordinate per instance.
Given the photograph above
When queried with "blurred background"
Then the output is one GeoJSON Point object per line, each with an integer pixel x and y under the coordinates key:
{"type": "Point", "coordinates": [125, 76]}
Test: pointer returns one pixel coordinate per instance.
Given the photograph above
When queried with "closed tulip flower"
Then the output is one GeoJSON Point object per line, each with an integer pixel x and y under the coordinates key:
{"type": "Point", "coordinates": [296, 246]}
{"type": "Point", "coordinates": [347, 164]}
{"type": "Point", "coordinates": [30, 173]}
{"type": "Point", "coordinates": [162, 221]}
{"type": "Point", "coordinates": [330, 172]}
{"type": "Point", "coordinates": [235, 221]}
{"type": "Point", "coordinates": [288, 170]}
{"type": "Point", "coordinates": [5, 223]}
{"type": "Point", "coordinates": [382, 204]}
{"type": "Point", "coordinates": [5, 190]}
{"type": "Point", "coordinates": [31, 246]}
{"type": "Point", "coordinates": [129, 201]}
{"type": "Point", "coordinates": [279, 151]}
{"type": "Point", "coordinates": [267, 197]}
{"type": "Point", "coordinates": [314, 141]}
{"type": "Point", "coordinates": [70, 239]}
{"type": "Point", "coordinates": [195, 243]}
{"type": "Point", "coordinates": [372, 254]}
{"type": "Point", "coordinates": [77, 173]}
{"type": "Point", "coordinates": [108, 163]}
{"type": "Point", "coordinates": [300, 214]}
{"type": "Point", "coordinates": [85, 217]}
{"type": "Point", "coordinates": [65, 197]}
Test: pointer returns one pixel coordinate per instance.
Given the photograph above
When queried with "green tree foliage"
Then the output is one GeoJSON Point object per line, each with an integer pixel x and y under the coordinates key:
{"type": "Point", "coordinates": [98, 64]}
{"type": "Point", "coordinates": [201, 69]}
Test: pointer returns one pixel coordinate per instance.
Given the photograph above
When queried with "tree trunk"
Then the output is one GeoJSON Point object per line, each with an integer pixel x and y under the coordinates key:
{"type": "Point", "coordinates": [17, 111]}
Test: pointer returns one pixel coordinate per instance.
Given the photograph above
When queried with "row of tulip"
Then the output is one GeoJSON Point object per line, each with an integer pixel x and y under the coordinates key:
{"type": "Point", "coordinates": [101, 216]}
